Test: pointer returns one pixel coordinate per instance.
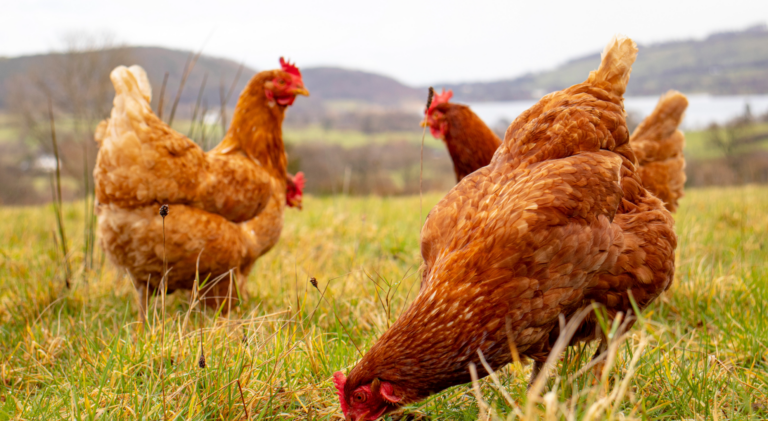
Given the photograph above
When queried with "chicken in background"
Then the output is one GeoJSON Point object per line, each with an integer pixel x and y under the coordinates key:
{"type": "Point", "coordinates": [558, 220]}
{"type": "Point", "coordinates": [226, 205]}
{"type": "Point", "coordinates": [470, 142]}
{"type": "Point", "coordinates": [658, 145]}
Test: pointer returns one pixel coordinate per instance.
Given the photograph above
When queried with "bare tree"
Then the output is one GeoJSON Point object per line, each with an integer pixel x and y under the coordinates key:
{"type": "Point", "coordinates": [73, 84]}
{"type": "Point", "coordinates": [734, 140]}
{"type": "Point", "coordinates": [76, 80]}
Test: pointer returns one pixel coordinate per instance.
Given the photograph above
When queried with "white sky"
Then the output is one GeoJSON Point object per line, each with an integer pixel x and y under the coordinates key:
{"type": "Point", "coordinates": [417, 42]}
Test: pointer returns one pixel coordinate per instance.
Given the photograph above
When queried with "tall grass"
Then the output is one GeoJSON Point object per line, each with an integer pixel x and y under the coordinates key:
{"type": "Point", "coordinates": [699, 352]}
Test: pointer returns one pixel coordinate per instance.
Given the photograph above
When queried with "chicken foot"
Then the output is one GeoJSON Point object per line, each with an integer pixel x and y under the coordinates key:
{"type": "Point", "coordinates": [535, 370]}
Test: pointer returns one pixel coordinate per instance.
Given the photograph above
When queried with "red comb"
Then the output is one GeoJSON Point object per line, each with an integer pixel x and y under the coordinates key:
{"type": "Point", "coordinates": [440, 98]}
{"type": "Point", "coordinates": [339, 380]}
{"type": "Point", "coordinates": [288, 67]}
{"type": "Point", "coordinates": [299, 180]}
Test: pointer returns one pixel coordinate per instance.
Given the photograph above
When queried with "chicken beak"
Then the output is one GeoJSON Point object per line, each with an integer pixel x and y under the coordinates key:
{"type": "Point", "coordinates": [301, 91]}
{"type": "Point", "coordinates": [423, 123]}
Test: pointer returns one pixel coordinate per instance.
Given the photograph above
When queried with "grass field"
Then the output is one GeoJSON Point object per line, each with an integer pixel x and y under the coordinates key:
{"type": "Point", "coordinates": [699, 352]}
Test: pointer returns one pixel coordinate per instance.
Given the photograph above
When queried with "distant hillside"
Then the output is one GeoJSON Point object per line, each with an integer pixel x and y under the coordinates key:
{"type": "Point", "coordinates": [722, 64]}
{"type": "Point", "coordinates": [324, 83]}
{"type": "Point", "coordinates": [156, 61]}
{"type": "Point", "coordinates": [332, 83]}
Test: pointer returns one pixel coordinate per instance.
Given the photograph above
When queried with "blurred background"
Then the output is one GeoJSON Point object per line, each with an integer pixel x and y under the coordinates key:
{"type": "Point", "coordinates": [368, 68]}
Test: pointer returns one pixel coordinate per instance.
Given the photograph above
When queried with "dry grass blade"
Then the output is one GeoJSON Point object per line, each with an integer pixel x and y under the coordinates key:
{"type": "Point", "coordinates": [223, 108]}
{"type": "Point", "coordinates": [511, 402]}
{"type": "Point", "coordinates": [197, 106]}
{"type": "Point", "coordinates": [242, 399]}
{"type": "Point", "coordinates": [161, 99]}
{"type": "Point", "coordinates": [191, 61]}
{"type": "Point", "coordinates": [562, 342]}
{"type": "Point", "coordinates": [481, 404]}
{"type": "Point", "coordinates": [225, 98]}
{"type": "Point", "coordinates": [430, 96]}
{"type": "Point", "coordinates": [57, 198]}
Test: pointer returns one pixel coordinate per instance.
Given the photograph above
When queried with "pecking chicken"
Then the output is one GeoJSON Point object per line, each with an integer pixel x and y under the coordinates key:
{"type": "Point", "coordinates": [226, 205]}
{"type": "Point", "coordinates": [657, 143]}
{"type": "Point", "coordinates": [658, 146]}
{"type": "Point", "coordinates": [470, 142]}
{"type": "Point", "coordinates": [557, 221]}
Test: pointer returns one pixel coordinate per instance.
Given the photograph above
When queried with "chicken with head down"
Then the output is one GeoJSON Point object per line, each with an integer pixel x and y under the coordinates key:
{"type": "Point", "coordinates": [557, 221]}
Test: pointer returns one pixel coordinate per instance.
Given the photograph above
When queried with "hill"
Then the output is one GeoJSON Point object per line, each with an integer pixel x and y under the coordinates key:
{"type": "Point", "coordinates": [156, 61]}
{"type": "Point", "coordinates": [722, 64]}
{"type": "Point", "coordinates": [727, 63]}
{"type": "Point", "coordinates": [325, 83]}
{"type": "Point", "coordinates": [333, 83]}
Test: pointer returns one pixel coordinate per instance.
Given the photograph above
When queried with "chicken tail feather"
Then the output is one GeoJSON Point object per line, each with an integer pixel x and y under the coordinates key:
{"type": "Point", "coordinates": [658, 145]}
{"type": "Point", "coordinates": [616, 65]}
{"type": "Point", "coordinates": [131, 110]}
{"type": "Point", "coordinates": [131, 81]}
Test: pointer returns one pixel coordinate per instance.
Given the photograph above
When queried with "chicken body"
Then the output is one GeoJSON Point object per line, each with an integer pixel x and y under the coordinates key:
{"type": "Point", "coordinates": [656, 142]}
{"type": "Point", "coordinates": [558, 220]}
{"type": "Point", "coordinates": [226, 206]}
{"type": "Point", "coordinates": [470, 142]}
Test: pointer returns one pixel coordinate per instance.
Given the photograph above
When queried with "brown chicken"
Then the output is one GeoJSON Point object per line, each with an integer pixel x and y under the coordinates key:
{"type": "Point", "coordinates": [658, 146]}
{"type": "Point", "coordinates": [226, 205]}
{"type": "Point", "coordinates": [470, 142]}
{"type": "Point", "coordinates": [558, 220]}
{"type": "Point", "coordinates": [657, 143]}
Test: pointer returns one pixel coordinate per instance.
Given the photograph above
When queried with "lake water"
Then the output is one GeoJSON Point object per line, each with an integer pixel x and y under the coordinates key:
{"type": "Point", "coordinates": [702, 109]}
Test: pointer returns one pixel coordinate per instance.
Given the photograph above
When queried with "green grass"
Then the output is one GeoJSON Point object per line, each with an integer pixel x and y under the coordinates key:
{"type": "Point", "coordinates": [700, 350]}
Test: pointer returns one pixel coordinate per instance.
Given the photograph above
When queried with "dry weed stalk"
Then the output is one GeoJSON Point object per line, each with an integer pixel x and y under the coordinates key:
{"type": "Point", "coordinates": [313, 281]}
{"type": "Point", "coordinates": [190, 64]}
{"type": "Point", "coordinates": [163, 287]}
{"type": "Point", "coordinates": [197, 106]}
{"type": "Point", "coordinates": [225, 98]}
{"type": "Point", "coordinates": [57, 197]}
{"type": "Point", "coordinates": [430, 97]}
{"type": "Point", "coordinates": [242, 398]}
{"type": "Point", "coordinates": [162, 97]}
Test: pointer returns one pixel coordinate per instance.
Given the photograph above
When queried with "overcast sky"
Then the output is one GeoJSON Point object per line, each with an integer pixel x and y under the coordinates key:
{"type": "Point", "coordinates": [418, 42]}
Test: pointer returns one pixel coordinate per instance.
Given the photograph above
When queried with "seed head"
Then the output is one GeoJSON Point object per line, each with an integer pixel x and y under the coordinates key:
{"type": "Point", "coordinates": [430, 96]}
{"type": "Point", "coordinates": [313, 281]}
{"type": "Point", "coordinates": [201, 361]}
{"type": "Point", "coordinates": [164, 211]}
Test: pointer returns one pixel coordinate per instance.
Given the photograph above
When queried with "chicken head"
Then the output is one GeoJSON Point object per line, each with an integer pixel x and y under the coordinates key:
{"type": "Point", "coordinates": [295, 190]}
{"type": "Point", "coordinates": [367, 402]}
{"type": "Point", "coordinates": [287, 83]}
{"type": "Point", "coordinates": [438, 125]}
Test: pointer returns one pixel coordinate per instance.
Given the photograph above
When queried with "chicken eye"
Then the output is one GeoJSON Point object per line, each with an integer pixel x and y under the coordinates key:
{"type": "Point", "coordinates": [359, 397]}
{"type": "Point", "coordinates": [281, 82]}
